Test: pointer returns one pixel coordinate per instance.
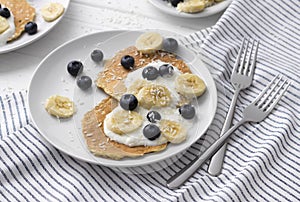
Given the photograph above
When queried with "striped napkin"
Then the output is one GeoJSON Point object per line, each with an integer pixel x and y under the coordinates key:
{"type": "Point", "coordinates": [262, 160]}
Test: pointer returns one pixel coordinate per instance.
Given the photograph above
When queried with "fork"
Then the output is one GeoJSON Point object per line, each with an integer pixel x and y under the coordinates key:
{"type": "Point", "coordinates": [241, 78]}
{"type": "Point", "coordinates": [254, 112]}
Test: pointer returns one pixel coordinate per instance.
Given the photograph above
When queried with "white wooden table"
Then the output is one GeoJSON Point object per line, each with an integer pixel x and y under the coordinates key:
{"type": "Point", "coordinates": [87, 16]}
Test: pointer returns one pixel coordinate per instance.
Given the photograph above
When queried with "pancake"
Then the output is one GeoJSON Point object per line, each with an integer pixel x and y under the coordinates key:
{"type": "Point", "coordinates": [23, 13]}
{"type": "Point", "coordinates": [111, 79]}
{"type": "Point", "coordinates": [99, 144]}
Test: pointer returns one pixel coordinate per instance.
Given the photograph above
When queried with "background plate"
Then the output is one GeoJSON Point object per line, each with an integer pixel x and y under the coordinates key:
{"type": "Point", "coordinates": [52, 78]}
{"type": "Point", "coordinates": [43, 26]}
{"type": "Point", "coordinates": [165, 7]}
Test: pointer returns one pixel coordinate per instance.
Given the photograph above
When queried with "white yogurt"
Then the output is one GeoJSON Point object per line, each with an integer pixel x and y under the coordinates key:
{"type": "Point", "coordinates": [9, 32]}
{"type": "Point", "coordinates": [136, 138]}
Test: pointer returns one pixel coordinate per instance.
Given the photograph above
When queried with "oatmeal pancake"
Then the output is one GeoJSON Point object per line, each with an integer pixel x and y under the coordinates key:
{"type": "Point", "coordinates": [23, 13]}
{"type": "Point", "coordinates": [111, 79]}
{"type": "Point", "coordinates": [99, 144]}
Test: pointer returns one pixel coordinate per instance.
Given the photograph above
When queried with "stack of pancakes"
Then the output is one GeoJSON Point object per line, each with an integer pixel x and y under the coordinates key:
{"type": "Point", "coordinates": [111, 81]}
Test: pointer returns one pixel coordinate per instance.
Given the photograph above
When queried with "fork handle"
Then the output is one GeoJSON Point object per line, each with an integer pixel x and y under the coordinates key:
{"type": "Point", "coordinates": [216, 162]}
{"type": "Point", "coordinates": [181, 176]}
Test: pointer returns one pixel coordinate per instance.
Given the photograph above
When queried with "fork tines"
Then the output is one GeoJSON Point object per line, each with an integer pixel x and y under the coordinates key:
{"type": "Point", "coordinates": [244, 64]}
{"type": "Point", "coordinates": [272, 93]}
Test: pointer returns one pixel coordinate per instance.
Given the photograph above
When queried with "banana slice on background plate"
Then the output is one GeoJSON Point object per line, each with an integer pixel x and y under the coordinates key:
{"type": "Point", "coordinates": [4, 25]}
{"type": "Point", "coordinates": [191, 6]}
{"type": "Point", "coordinates": [52, 11]}
{"type": "Point", "coordinates": [189, 85]}
{"type": "Point", "coordinates": [60, 106]}
{"type": "Point", "coordinates": [123, 121]}
{"type": "Point", "coordinates": [173, 131]}
{"type": "Point", "coordinates": [149, 42]}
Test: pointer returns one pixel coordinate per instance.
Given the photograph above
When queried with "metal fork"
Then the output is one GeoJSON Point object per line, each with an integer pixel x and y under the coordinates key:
{"type": "Point", "coordinates": [255, 112]}
{"type": "Point", "coordinates": [241, 78]}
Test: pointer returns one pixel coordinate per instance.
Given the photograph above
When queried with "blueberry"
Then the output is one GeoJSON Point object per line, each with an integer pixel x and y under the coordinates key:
{"type": "Point", "coordinates": [127, 62]}
{"type": "Point", "coordinates": [97, 55]}
{"type": "Point", "coordinates": [75, 67]}
{"type": "Point", "coordinates": [151, 131]}
{"type": "Point", "coordinates": [170, 44]}
{"type": "Point", "coordinates": [187, 111]}
{"type": "Point", "coordinates": [166, 70]}
{"type": "Point", "coordinates": [128, 102]}
{"type": "Point", "coordinates": [153, 116]}
{"type": "Point", "coordinates": [175, 2]}
{"type": "Point", "coordinates": [4, 12]}
{"type": "Point", "coordinates": [84, 82]}
{"type": "Point", "coordinates": [31, 28]}
{"type": "Point", "coordinates": [150, 73]}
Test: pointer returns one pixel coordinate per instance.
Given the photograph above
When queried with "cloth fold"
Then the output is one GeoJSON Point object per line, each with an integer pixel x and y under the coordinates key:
{"type": "Point", "coordinates": [261, 162]}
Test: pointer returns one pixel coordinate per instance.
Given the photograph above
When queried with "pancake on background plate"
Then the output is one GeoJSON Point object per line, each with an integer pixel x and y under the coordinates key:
{"type": "Point", "coordinates": [23, 13]}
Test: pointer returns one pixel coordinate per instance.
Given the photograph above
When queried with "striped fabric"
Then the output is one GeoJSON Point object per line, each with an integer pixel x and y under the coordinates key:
{"type": "Point", "coordinates": [262, 160]}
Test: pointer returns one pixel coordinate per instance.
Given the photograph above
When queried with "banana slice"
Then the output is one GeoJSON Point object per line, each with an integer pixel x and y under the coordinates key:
{"type": "Point", "coordinates": [189, 85]}
{"type": "Point", "coordinates": [52, 11]}
{"type": "Point", "coordinates": [4, 25]}
{"type": "Point", "coordinates": [60, 106]}
{"type": "Point", "coordinates": [191, 6]}
{"type": "Point", "coordinates": [149, 42]}
{"type": "Point", "coordinates": [154, 95]}
{"type": "Point", "coordinates": [174, 132]}
{"type": "Point", "coordinates": [209, 3]}
{"type": "Point", "coordinates": [136, 86]}
{"type": "Point", "coordinates": [123, 121]}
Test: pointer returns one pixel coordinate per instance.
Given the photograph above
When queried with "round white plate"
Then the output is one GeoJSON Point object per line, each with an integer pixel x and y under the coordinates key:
{"type": "Point", "coordinates": [43, 26]}
{"type": "Point", "coordinates": [166, 7]}
{"type": "Point", "coordinates": [51, 78]}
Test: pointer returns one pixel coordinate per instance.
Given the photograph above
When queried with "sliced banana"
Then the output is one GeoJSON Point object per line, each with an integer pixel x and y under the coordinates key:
{"type": "Point", "coordinates": [209, 2]}
{"type": "Point", "coordinates": [4, 25]}
{"type": "Point", "coordinates": [123, 121]}
{"type": "Point", "coordinates": [136, 86]}
{"type": "Point", "coordinates": [189, 85]}
{"type": "Point", "coordinates": [149, 42]}
{"type": "Point", "coordinates": [173, 131]}
{"type": "Point", "coordinates": [153, 95]}
{"type": "Point", "coordinates": [60, 106]}
{"type": "Point", "coordinates": [52, 11]}
{"type": "Point", "coordinates": [191, 6]}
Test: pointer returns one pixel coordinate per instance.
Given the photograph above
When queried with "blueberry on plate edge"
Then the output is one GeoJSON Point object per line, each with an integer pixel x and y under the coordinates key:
{"type": "Point", "coordinates": [97, 55]}
{"type": "Point", "coordinates": [84, 82]}
{"type": "Point", "coordinates": [4, 12]}
{"type": "Point", "coordinates": [75, 67]}
{"type": "Point", "coordinates": [175, 2]}
{"type": "Point", "coordinates": [170, 44]}
{"type": "Point", "coordinates": [31, 28]}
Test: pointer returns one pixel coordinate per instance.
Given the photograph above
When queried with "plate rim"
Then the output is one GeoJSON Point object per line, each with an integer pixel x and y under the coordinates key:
{"type": "Point", "coordinates": [120, 31]}
{"type": "Point", "coordinates": [205, 13]}
{"type": "Point", "coordinates": [28, 42]}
